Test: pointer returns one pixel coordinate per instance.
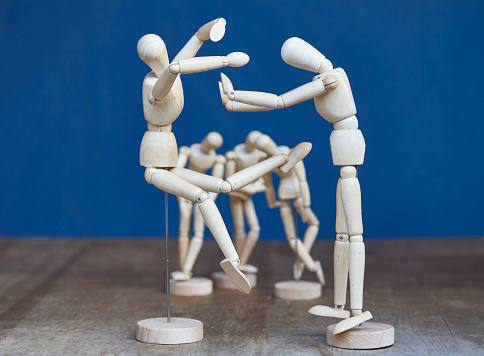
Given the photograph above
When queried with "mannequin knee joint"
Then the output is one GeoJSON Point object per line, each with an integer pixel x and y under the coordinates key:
{"type": "Point", "coordinates": [149, 174]}
{"type": "Point", "coordinates": [341, 237]}
{"type": "Point", "coordinates": [202, 197]}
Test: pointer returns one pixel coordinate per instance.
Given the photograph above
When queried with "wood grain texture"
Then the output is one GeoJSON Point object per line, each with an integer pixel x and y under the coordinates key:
{"type": "Point", "coordinates": [177, 331]}
{"type": "Point", "coordinates": [367, 336]}
{"type": "Point", "coordinates": [84, 297]}
{"type": "Point", "coordinates": [297, 290]}
{"type": "Point", "coordinates": [222, 281]}
{"type": "Point", "coordinates": [195, 286]}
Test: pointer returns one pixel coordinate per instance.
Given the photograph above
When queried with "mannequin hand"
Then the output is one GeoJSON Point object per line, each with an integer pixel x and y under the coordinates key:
{"type": "Point", "coordinates": [227, 86]}
{"type": "Point", "coordinates": [214, 30]}
{"type": "Point", "coordinates": [236, 59]}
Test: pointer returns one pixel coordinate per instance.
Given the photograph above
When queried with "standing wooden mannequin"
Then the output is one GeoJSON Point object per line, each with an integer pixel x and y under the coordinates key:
{"type": "Point", "coordinates": [333, 98]}
{"type": "Point", "coordinates": [162, 104]}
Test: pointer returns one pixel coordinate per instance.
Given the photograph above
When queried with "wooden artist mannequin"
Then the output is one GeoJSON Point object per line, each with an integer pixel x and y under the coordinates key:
{"type": "Point", "coordinates": [293, 186]}
{"type": "Point", "coordinates": [243, 156]}
{"type": "Point", "coordinates": [162, 104]}
{"type": "Point", "coordinates": [333, 99]}
{"type": "Point", "coordinates": [200, 158]}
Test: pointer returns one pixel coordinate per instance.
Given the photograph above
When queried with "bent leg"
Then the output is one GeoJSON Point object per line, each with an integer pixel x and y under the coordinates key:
{"type": "Point", "coordinates": [196, 241]}
{"type": "Point", "coordinates": [236, 207]}
{"type": "Point", "coordinates": [171, 183]}
{"type": "Point", "coordinates": [295, 243]}
{"type": "Point", "coordinates": [254, 231]}
{"type": "Point", "coordinates": [309, 237]}
{"type": "Point", "coordinates": [215, 223]}
{"type": "Point", "coordinates": [250, 174]}
{"type": "Point", "coordinates": [185, 207]}
{"type": "Point", "coordinates": [204, 181]}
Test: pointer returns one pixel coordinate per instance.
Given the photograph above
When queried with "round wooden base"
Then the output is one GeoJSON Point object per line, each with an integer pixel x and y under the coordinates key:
{"type": "Point", "coordinates": [365, 337]}
{"type": "Point", "coordinates": [222, 281]}
{"type": "Point", "coordinates": [297, 290]}
{"type": "Point", "coordinates": [178, 331]}
{"type": "Point", "coordinates": [196, 286]}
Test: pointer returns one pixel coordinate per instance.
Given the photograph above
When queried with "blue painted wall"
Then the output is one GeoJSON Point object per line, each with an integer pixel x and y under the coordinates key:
{"type": "Point", "coordinates": [72, 120]}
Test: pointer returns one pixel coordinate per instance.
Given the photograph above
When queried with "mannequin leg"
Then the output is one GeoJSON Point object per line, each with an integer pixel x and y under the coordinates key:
{"type": "Point", "coordinates": [351, 199]}
{"type": "Point", "coordinates": [195, 243]}
{"type": "Point", "coordinates": [295, 243]}
{"type": "Point", "coordinates": [236, 207]}
{"type": "Point", "coordinates": [309, 238]}
{"type": "Point", "coordinates": [171, 183]}
{"type": "Point", "coordinates": [254, 231]}
{"type": "Point", "coordinates": [184, 227]}
{"type": "Point", "coordinates": [341, 253]}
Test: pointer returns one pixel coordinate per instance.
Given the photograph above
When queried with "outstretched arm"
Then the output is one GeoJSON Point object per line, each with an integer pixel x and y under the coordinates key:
{"type": "Point", "coordinates": [231, 105]}
{"type": "Point", "coordinates": [203, 64]}
{"type": "Point", "coordinates": [267, 101]}
{"type": "Point", "coordinates": [194, 65]}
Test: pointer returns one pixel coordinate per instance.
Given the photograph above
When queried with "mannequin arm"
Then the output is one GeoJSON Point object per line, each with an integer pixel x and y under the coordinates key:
{"type": "Point", "coordinates": [271, 101]}
{"type": "Point", "coordinates": [183, 155]}
{"type": "Point", "coordinates": [217, 172]}
{"type": "Point", "coordinates": [231, 105]}
{"type": "Point", "coordinates": [213, 30]}
{"type": "Point", "coordinates": [270, 193]}
{"type": "Point", "coordinates": [231, 164]}
{"type": "Point", "coordinates": [193, 65]}
{"type": "Point", "coordinates": [203, 64]}
{"type": "Point", "coordinates": [303, 183]}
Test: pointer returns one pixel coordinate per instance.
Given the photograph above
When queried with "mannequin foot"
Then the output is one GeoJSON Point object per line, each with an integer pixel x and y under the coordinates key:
{"type": "Point", "coordinates": [298, 269]}
{"type": "Point", "coordinates": [320, 273]}
{"type": "Point", "coordinates": [236, 276]}
{"type": "Point", "coordinates": [181, 275]}
{"type": "Point", "coordinates": [323, 310]}
{"type": "Point", "coordinates": [248, 268]}
{"type": "Point", "coordinates": [351, 322]}
{"type": "Point", "coordinates": [296, 155]}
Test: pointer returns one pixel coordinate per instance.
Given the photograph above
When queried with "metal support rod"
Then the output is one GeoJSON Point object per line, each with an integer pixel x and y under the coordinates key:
{"type": "Point", "coordinates": [294, 215]}
{"type": "Point", "coordinates": [168, 309]}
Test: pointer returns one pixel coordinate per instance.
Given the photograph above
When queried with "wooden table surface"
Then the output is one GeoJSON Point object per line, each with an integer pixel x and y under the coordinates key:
{"type": "Point", "coordinates": [84, 297]}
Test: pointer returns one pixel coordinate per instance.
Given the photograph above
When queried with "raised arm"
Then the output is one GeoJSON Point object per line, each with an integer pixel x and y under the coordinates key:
{"type": "Point", "coordinates": [186, 63]}
{"type": "Point", "coordinates": [266, 101]}
{"type": "Point", "coordinates": [213, 30]}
